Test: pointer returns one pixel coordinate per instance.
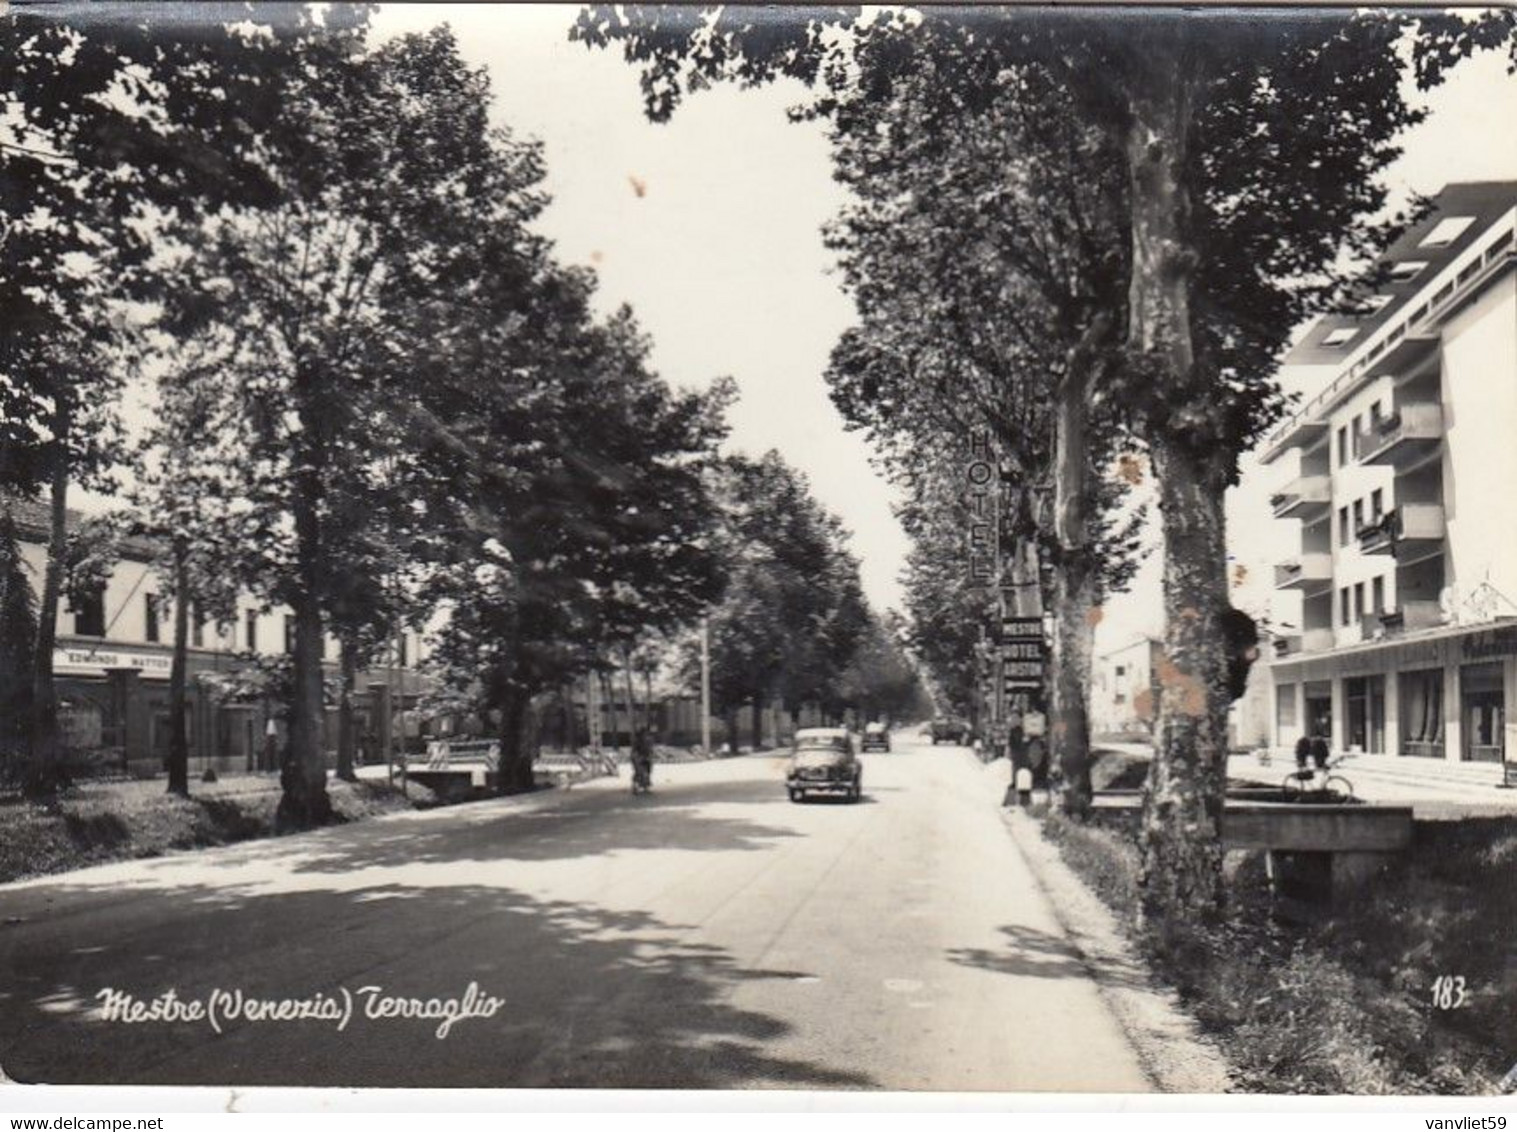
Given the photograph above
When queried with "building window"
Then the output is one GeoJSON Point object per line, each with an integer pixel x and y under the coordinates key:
{"type": "Point", "coordinates": [402, 643]}
{"type": "Point", "coordinates": [197, 627]}
{"type": "Point", "coordinates": [1358, 601]}
{"type": "Point", "coordinates": [1377, 594]}
{"type": "Point", "coordinates": [1376, 416]}
{"type": "Point", "coordinates": [1285, 706]}
{"type": "Point", "coordinates": [1407, 270]}
{"type": "Point", "coordinates": [1343, 446]}
{"type": "Point", "coordinates": [1483, 709]}
{"type": "Point", "coordinates": [1446, 231]}
{"type": "Point", "coordinates": [252, 630]}
{"type": "Point", "coordinates": [289, 634]}
{"type": "Point", "coordinates": [150, 609]}
{"type": "Point", "coordinates": [1344, 534]}
{"type": "Point", "coordinates": [1340, 337]}
{"type": "Point", "coordinates": [1377, 505]}
{"type": "Point", "coordinates": [89, 613]}
{"type": "Point", "coordinates": [1345, 614]}
{"type": "Point", "coordinates": [1422, 713]}
{"type": "Point", "coordinates": [1358, 516]}
{"type": "Point", "coordinates": [1121, 671]}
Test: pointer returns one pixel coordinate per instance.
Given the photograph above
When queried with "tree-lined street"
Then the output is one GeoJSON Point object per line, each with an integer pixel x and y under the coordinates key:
{"type": "Point", "coordinates": [711, 934]}
{"type": "Point", "coordinates": [351, 463]}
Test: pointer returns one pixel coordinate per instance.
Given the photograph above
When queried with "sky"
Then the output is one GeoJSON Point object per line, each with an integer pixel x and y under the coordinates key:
{"type": "Point", "coordinates": [709, 227]}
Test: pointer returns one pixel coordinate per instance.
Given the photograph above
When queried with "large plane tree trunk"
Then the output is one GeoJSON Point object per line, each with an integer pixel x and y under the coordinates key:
{"type": "Point", "coordinates": [347, 736]}
{"type": "Point", "coordinates": [18, 642]}
{"type": "Point", "coordinates": [303, 776]}
{"type": "Point", "coordinates": [45, 773]}
{"type": "Point", "coordinates": [179, 740]}
{"type": "Point", "coordinates": [1181, 824]}
{"type": "Point", "coordinates": [1076, 584]}
{"type": "Point", "coordinates": [1075, 639]}
{"type": "Point", "coordinates": [514, 774]}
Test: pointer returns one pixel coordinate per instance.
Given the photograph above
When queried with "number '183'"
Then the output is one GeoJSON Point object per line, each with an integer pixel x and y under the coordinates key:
{"type": "Point", "coordinates": [1449, 992]}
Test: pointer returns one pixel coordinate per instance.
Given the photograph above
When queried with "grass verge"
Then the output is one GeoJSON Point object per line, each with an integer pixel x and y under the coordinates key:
{"type": "Point", "coordinates": [112, 821]}
{"type": "Point", "coordinates": [1345, 1003]}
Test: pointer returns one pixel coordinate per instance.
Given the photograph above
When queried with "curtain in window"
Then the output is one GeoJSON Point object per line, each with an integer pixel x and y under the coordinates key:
{"type": "Point", "coordinates": [1424, 701]}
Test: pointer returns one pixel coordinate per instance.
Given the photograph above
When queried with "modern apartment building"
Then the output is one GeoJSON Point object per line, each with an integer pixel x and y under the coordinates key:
{"type": "Point", "coordinates": [1402, 476]}
{"type": "Point", "coordinates": [114, 651]}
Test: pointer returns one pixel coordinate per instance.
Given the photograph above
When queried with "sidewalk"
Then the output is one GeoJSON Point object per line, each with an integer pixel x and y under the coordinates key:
{"type": "Point", "coordinates": [1436, 789]}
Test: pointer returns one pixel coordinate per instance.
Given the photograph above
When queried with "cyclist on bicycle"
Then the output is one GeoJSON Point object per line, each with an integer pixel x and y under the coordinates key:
{"type": "Point", "coordinates": [642, 760]}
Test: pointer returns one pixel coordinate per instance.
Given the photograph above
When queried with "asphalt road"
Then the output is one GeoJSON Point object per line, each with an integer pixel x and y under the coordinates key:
{"type": "Point", "coordinates": [710, 935]}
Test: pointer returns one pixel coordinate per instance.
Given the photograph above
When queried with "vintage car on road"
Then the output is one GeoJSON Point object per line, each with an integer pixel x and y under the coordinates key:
{"type": "Point", "coordinates": [945, 728]}
{"type": "Point", "coordinates": [824, 762]}
{"type": "Point", "coordinates": [876, 737]}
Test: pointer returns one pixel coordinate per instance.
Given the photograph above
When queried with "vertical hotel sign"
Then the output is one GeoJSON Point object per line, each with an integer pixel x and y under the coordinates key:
{"type": "Point", "coordinates": [981, 482]}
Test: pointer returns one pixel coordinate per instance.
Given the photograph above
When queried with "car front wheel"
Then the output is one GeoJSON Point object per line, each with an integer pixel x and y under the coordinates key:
{"type": "Point", "coordinates": [797, 795]}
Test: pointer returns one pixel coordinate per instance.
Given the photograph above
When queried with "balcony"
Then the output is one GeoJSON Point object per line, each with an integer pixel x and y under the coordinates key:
{"type": "Point", "coordinates": [1307, 497]}
{"type": "Point", "coordinates": [1309, 640]}
{"type": "Point", "coordinates": [1407, 348]}
{"type": "Point", "coordinates": [1409, 617]}
{"type": "Point", "coordinates": [1306, 429]}
{"type": "Point", "coordinates": [1306, 572]}
{"type": "Point", "coordinates": [1316, 640]}
{"type": "Point", "coordinates": [1412, 432]}
{"type": "Point", "coordinates": [1410, 531]}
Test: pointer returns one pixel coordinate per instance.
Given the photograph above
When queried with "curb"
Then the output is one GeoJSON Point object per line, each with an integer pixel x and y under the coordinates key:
{"type": "Point", "coordinates": [1171, 1049]}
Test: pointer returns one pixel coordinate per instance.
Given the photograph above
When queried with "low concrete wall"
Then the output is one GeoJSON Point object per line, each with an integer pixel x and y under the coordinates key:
{"type": "Point", "coordinates": [1317, 828]}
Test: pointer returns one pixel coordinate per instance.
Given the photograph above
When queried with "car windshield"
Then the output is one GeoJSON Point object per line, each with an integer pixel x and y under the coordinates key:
{"type": "Point", "coordinates": [820, 756]}
{"type": "Point", "coordinates": [875, 728]}
{"type": "Point", "coordinates": [821, 741]}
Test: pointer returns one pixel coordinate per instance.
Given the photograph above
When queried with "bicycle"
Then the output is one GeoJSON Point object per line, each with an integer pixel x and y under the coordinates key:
{"type": "Point", "coordinates": [1321, 782]}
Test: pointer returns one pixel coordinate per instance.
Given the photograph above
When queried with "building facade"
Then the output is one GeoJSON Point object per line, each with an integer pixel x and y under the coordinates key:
{"type": "Point", "coordinates": [114, 652]}
{"type": "Point", "coordinates": [1401, 475]}
{"type": "Point", "coordinates": [1123, 693]}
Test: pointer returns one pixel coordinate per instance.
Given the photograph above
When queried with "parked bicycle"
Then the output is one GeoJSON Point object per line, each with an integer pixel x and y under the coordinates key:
{"type": "Point", "coordinates": [1317, 783]}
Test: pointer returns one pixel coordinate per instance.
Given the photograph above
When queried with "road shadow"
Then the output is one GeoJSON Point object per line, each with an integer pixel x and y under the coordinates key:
{"type": "Point", "coordinates": [1031, 953]}
{"type": "Point", "coordinates": [592, 997]}
{"type": "Point", "coordinates": [692, 818]}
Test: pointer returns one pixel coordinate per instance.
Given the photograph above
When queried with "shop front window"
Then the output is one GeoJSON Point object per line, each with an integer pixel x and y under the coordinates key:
{"type": "Point", "coordinates": [1483, 709]}
{"type": "Point", "coordinates": [1285, 707]}
{"type": "Point", "coordinates": [1365, 704]}
{"type": "Point", "coordinates": [1319, 709]}
{"type": "Point", "coordinates": [1422, 713]}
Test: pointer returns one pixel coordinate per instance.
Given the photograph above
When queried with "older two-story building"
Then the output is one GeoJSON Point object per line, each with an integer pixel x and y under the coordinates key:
{"type": "Point", "coordinates": [114, 653]}
{"type": "Point", "coordinates": [1401, 474]}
